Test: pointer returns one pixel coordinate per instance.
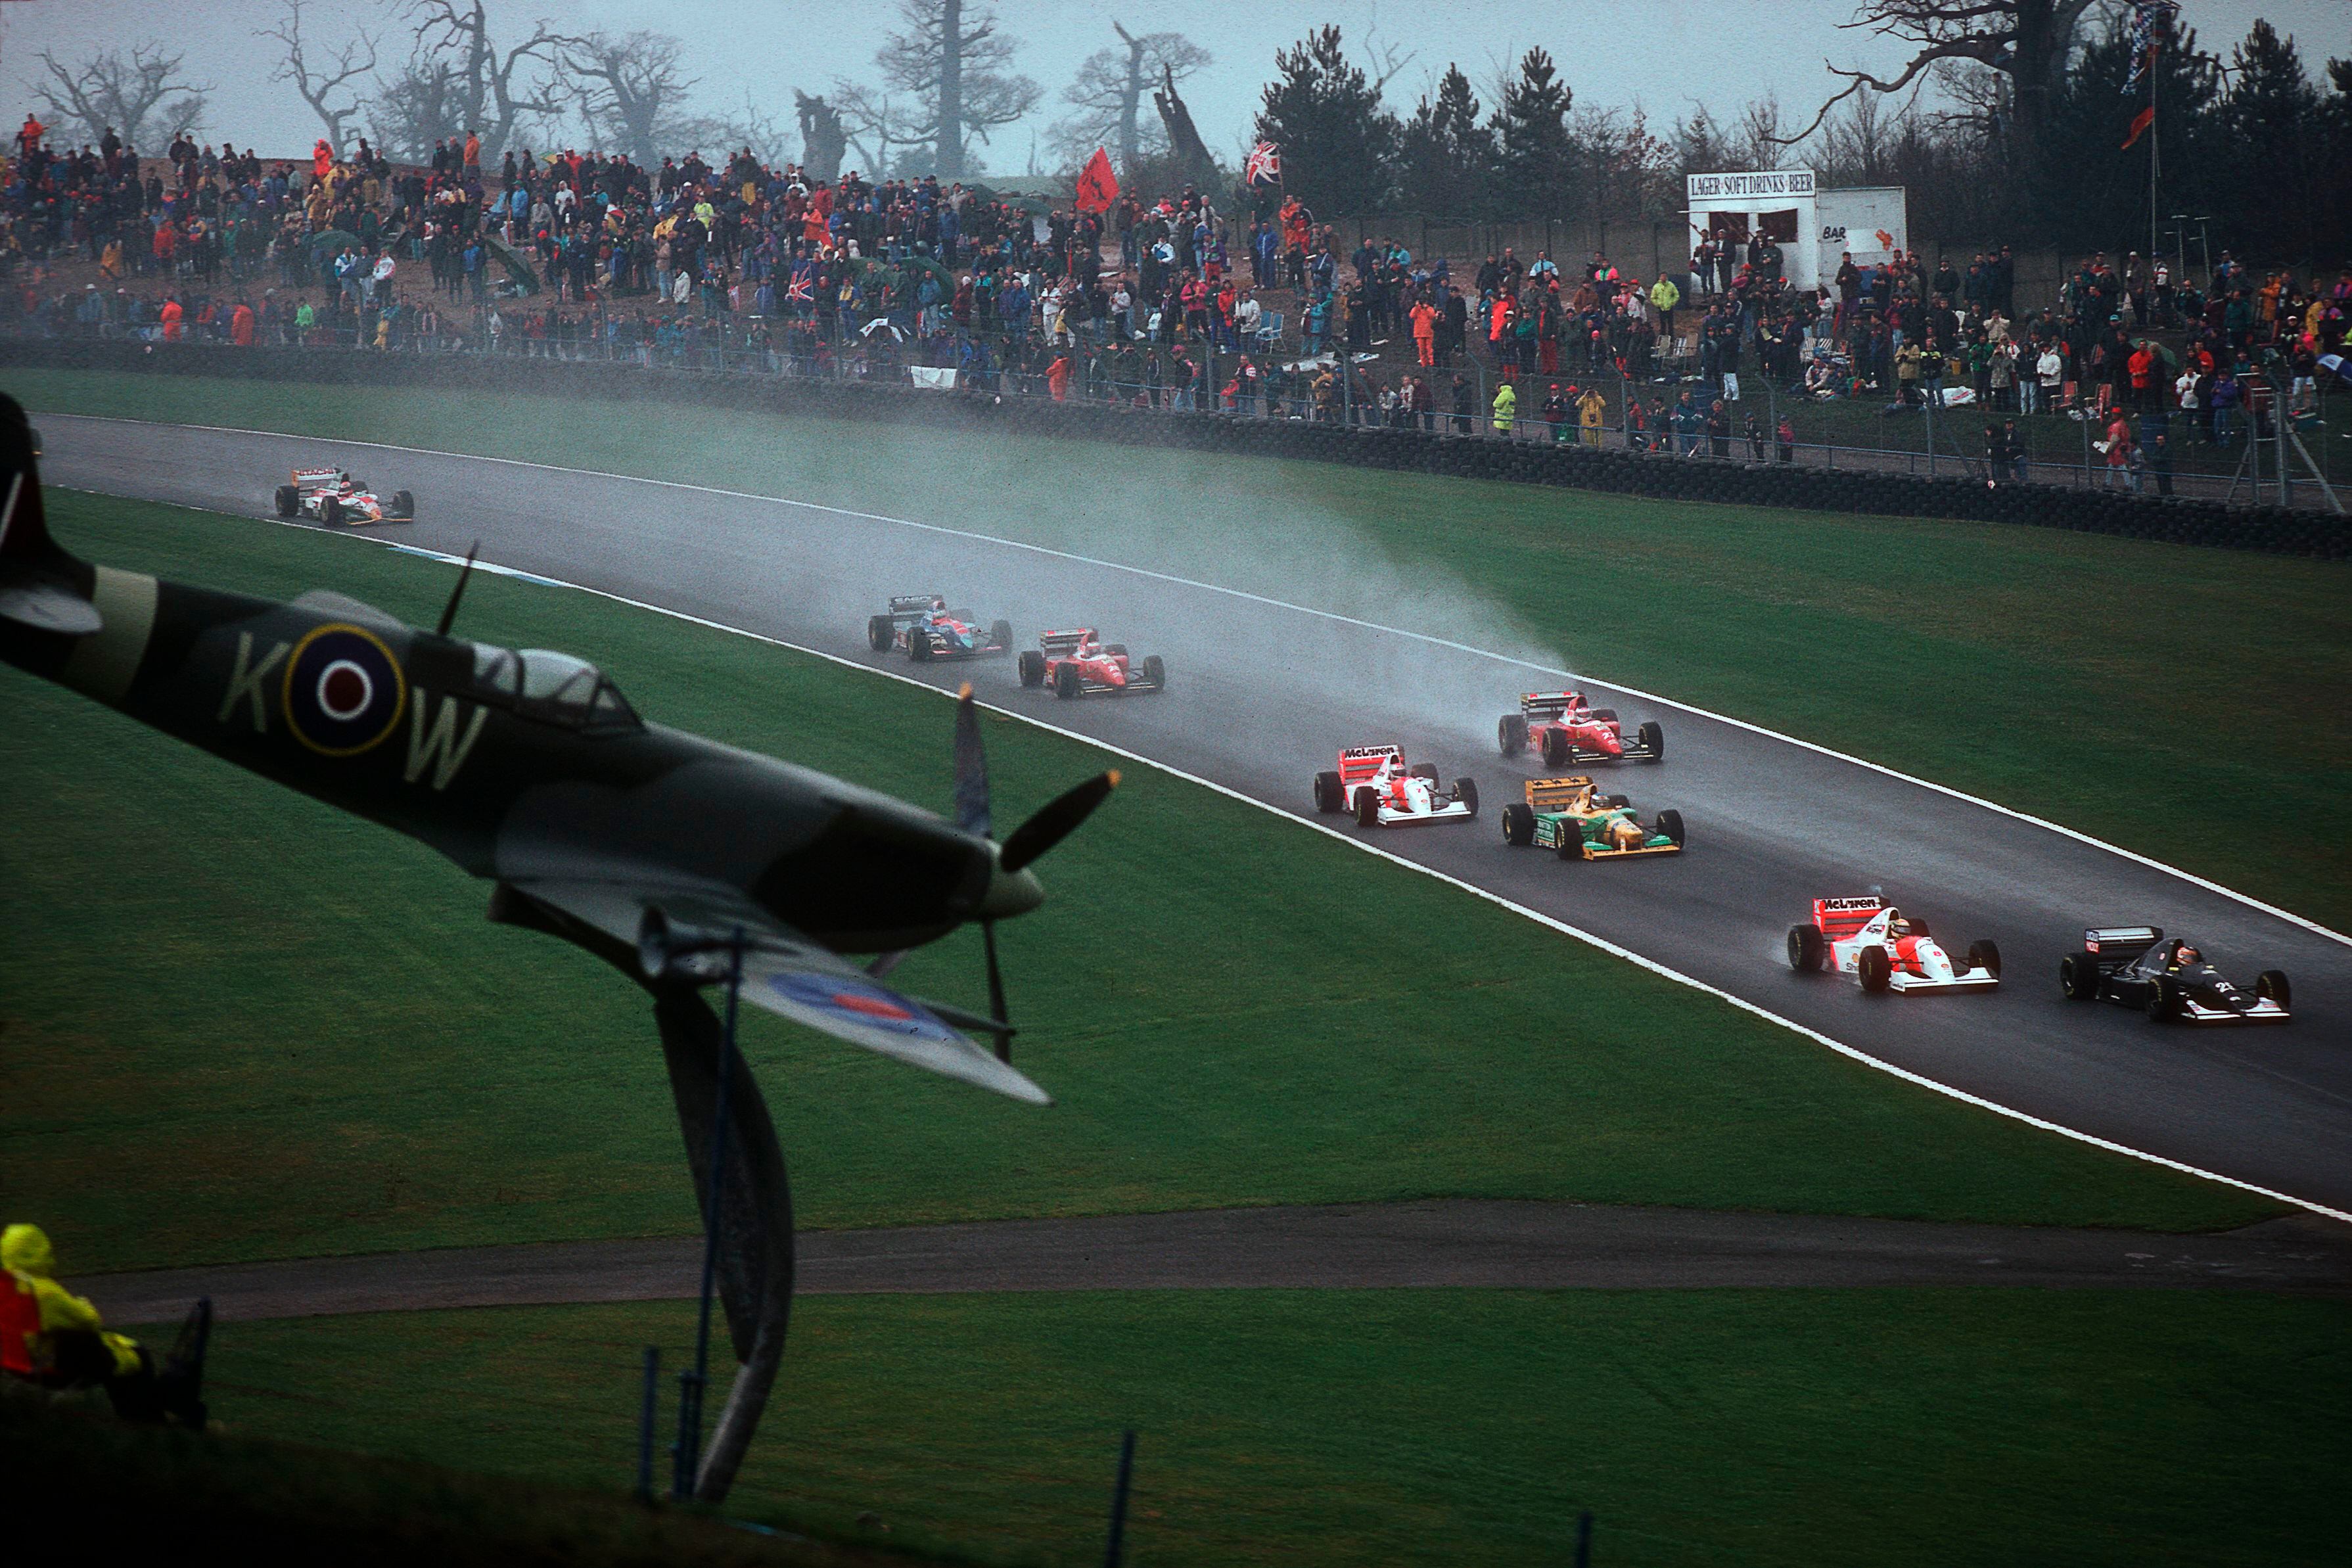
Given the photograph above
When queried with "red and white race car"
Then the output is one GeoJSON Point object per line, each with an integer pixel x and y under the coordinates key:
{"type": "Point", "coordinates": [1374, 782]}
{"type": "Point", "coordinates": [1885, 950]}
{"type": "Point", "coordinates": [332, 496]}
{"type": "Point", "coordinates": [1074, 664]}
{"type": "Point", "coordinates": [1566, 732]}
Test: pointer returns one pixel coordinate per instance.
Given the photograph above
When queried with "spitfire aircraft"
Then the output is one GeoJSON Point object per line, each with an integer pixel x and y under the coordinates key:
{"type": "Point", "coordinates": [682, 861]}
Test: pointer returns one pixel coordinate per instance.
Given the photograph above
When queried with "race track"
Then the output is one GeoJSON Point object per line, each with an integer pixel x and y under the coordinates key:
{"type": "Point", "coordinates": [1262, 689]}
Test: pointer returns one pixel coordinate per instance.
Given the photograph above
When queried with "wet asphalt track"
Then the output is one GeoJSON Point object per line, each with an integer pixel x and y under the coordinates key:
{"type": "Point", "coordinates": [1260, 696]}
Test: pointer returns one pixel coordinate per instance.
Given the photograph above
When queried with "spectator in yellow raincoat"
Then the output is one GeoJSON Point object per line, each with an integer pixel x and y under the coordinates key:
{"type": "Point", "coordinates": [1589, 410]}
{"type": "Point", "coordinates": [1664, 298]}
{"type": "Point", "coordinates": [53, 1338]}
{"type": "Point", "coordinates": [1506, 409]}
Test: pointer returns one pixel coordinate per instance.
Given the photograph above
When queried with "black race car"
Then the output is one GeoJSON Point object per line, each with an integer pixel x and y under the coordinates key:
{"type": "Point", "coordinates": [2168, 978]}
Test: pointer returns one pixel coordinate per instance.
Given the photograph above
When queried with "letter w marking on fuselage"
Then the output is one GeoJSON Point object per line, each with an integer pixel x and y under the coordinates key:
{"type": "Point", "coordinates": [439, 746]}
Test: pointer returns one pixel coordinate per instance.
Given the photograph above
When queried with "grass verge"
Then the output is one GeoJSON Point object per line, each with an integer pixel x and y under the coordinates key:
{"type": "Point", "coordinates": [242, 1024]}
{"type": "Point", "coordinates": [2119, 687]}
{"type": "Point", "coordinates": [1806, 1427]}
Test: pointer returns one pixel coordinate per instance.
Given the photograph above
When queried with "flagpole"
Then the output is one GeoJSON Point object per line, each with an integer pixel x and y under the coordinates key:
{"type": "Point", "coordinates": [2152, 135]}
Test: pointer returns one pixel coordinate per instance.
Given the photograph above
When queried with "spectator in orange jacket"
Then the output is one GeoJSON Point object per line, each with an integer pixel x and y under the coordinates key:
{"type": "Point", "coordinates": [240, 325]}
{"type": "Point", "coordinates": [1425, 332]}
{"type": "Point", "coordinates": [170, 316]}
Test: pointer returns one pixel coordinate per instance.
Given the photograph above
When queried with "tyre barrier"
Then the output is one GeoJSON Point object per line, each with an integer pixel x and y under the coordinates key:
{"type": "Point", "coordinates": [2175, 520]}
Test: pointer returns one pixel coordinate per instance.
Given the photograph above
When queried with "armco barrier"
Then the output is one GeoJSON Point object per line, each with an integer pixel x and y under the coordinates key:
{"type": "Point", "coordinates": [1655, 475]}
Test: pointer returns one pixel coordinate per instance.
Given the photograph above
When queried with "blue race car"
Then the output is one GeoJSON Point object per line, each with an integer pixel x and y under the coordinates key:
{"type": "Point", "coordinates": [923, 627]}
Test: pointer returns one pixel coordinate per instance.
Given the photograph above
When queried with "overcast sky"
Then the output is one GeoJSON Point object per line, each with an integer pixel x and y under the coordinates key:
{"type": "Point", "coordinates": [1664, 54]}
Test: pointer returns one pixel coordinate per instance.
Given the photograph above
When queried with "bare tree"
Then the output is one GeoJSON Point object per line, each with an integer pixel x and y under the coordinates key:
{"type": "Point", "coordinates": [1107, 97]}
{"type": "Point", "coordinates": [109, 91]}
{"type": "Point", "coordinates": [1184, 143]}
{"type": "Point", "coordinates": [1761, 145]}
{"type": "Point", "coordinates": [868, 122]}
{"type": "Point", "coordinates": [632, 90]}
{"type": "Point", "coordinates": [823, 140]}
{"type": "Point", "coordinates": [955, 70]}
{"type": "Point", "coordinates": [2030, 41]}
{"type": "Point", "coordinates": [491, 91]}
{"type": "Point", "coordinates": [319, 84]}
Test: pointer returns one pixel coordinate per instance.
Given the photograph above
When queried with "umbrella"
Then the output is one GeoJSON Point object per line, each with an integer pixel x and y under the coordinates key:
{"type": "Point", "coordinates": [333, 239]}
{"type": "Point", "coordinates": [1034, 206]}
{"type": "Point", "coordinates": [517, 268]}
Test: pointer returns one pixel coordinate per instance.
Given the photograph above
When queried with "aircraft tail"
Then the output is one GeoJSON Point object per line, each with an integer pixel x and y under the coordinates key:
{"type": "Point", "coordinates": [41, 587]}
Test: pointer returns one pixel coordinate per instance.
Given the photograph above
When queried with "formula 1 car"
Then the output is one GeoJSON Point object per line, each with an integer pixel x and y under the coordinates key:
{"type": "Point", "coordinates": [332, 496]}
{"type": "Point", "coordinates": [1074, 664]}
{"type": "Point", "coordinates": [1374, 782]}
{"type": "Point", "coordinates": [1559, 728]}
{"type": "Point", "coordinates": [923, 627]}
{"type": "Point", "coordinates": [2166, 978]}
{"type": "Point", "coordinates": [1572, 818]}
{"type": "Point", "coordinates": [1885, 950]}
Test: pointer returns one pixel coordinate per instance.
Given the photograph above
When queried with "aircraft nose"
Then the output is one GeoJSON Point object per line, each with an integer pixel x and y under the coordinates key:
{"type": "Point", "coordinates": [1011, 893]}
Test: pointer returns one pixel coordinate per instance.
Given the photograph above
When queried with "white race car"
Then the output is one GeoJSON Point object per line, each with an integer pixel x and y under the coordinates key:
{"type": "Point", "coordinates": [332, 496]}
{"type": "Point", "coordinates": [1374, 782]}
{"type": "Point", "coordinates": [1885, 950]}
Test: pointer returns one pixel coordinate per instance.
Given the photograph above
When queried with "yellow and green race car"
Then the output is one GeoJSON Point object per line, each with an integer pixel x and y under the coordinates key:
{"type": "Point", "coordinates": [1574, 820]}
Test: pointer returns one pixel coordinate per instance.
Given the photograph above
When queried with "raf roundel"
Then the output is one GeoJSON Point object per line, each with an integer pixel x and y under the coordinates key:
{"type": "Point", "coordinates": [345, 690]}
{"type": "Point", "coordinates": [855, 1001]}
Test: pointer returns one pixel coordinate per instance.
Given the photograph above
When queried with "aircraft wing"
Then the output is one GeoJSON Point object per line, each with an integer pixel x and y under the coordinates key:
{"type": "Point", "coordinates": [787, 974]}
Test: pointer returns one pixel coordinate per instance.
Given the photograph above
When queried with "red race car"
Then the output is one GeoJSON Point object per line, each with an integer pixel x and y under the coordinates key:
{"type": "Point", "coordinates": [1567, 733]}
{"type": "Point", "coordinates": [1074, 664]}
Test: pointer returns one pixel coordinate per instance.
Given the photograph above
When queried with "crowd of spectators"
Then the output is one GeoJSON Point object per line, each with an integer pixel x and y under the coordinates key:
{"type": "Point", "coordinates": [1155, 304]}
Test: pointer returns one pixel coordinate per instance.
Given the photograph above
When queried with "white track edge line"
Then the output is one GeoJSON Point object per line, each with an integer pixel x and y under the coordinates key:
{"type": "Point", "coordinates": [1590, 939]}
{"type": "Point", "coordinates": [2061, 829]}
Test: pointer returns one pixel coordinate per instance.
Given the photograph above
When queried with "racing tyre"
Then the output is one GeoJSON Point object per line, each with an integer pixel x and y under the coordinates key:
{"type": "Point", "coordinates": [877, 633]}
{"type": "Point", "coordinates": [1606, 715]}
{"type": "Point", "coordinates": [1327, 792]}
{"type": "Point", "coordinates": [289, 501]}
{"type": "Point", "coordinates": [919, 646]}
{"type": "Point", "coordinates": [1033, 667]}
{"type": "Point", "coordinates": [2162, 1004]}
{"type": "Point", "coordinates": [1116, 649]}
{"type": "Point", "coordinates": [1424, 771]}
{"type": "Point", "coordinates": [1000, 634]}
{"type": "Point", "coordinates": [1367, 808]}
{"type": "Point", "coordinates": [330, 509]}
{"type": "Point", "coordinates": [2078, 977]}
{"type": "Point", "coordinates": [1572, 843]}
{"type": "Point", "coordinates": [1806, 949]}
{"type": "Point", "coordinates": [1557, 750]}
{"type": "Point", "coordinates": [1984, 955]}
{"type": "Point", "coordinates": [404, 505]}
{"type": "Point", "coordinates": [1518, 825]}
{"type": "Point", "coordinates": [2271, 983]}
{"type": "Point", "coordinates": [1877, 973]}
{"type": "Point", "coordinates": [1654, 741]}
{"type": "Point", "coordinates": [1511, 734]}
{"type": "Point", "coordinates": [1155, 674]}
{"type": "Point", "coordinates": [1066, 681]}
{"type": "Point", "coordinates": [1466, 791]}
{"type": "Point", "coordinates": [1670, 822]}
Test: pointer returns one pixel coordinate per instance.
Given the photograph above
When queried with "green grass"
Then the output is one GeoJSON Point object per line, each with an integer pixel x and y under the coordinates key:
{"type": "Point", "coordinates": [1806, 1427]}
{"type": "Point", "coordinates": [2120, 687]}
{"type": "Point", "coordinates": [239, 1024]}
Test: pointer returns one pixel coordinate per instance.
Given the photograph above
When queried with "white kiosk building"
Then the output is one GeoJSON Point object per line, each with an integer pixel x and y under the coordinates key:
{"type": "Point", "coordinates": [1812, 227]}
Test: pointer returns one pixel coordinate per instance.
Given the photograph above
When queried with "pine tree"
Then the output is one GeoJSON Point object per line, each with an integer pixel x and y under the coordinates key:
{"type": "Point", "coordinates": [2095, 197]}
{"type": "Point", "coordinates": [1337, 143]}
{"type": "Point", "coordinates": [2271, 118]}
{"type": "Point", "coordinates": [1447, 157]}
{"type": "Point", "coordinates": [1535, 160]}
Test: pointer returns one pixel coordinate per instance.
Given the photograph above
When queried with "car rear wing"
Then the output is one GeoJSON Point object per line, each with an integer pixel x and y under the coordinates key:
{"type": "Point", "coordinates": [316, 476]}
{"type": "Point", "coordinates": [1547, 705]}
{"type": "Point", "coordinates": [2112, 945]}
{"type": "Point", "coordinates": [1554, 794]}
{"type": "Point", "coordinates": [1065, 642]}
{"type": "Point", "coordinates": [1841, 918]}
{"type": "Point", "coordinates": [908, 608]}
{"type": "Point", "coordinates": [1360, 764]}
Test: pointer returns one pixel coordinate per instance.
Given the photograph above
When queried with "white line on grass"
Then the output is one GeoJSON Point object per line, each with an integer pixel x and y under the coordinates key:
{"type": "Point", "coordinates": [1603, 944]}
{"type": "Point", "coordinates": [2135, 858]}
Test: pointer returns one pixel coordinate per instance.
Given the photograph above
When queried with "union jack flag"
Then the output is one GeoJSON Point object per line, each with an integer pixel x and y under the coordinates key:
{"type": "Point", "coordinates": [799, 292]}
{"type": "Point", "coordinates": [1263, 164]}
{"type": "Point", "coordinates": [2148, 19]}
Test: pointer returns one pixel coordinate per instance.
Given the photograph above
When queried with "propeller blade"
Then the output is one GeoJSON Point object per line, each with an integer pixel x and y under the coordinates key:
{"type": "Point", "coordinates": [996, 993]}
{"type": "Point", "coordinates": [1056, 820]}
{"type": "Point", "coordinates": [888, 961]}
{"type": "Point", "coordinates": [971, 767]}
{"type": "Point", "coordinates": [449, 610]}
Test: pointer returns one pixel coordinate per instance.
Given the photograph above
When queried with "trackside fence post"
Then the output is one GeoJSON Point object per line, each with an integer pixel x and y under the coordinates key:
{"type": "Point", "coordinates": [1119, 1500]}
{"type": "Point", "coordinates": [1584, 1538]}
{"type": "Point", "coordinates": [645, 1425]}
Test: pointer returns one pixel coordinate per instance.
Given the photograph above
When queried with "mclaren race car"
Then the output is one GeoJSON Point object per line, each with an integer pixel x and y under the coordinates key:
{"type": "Point", "coordinates": [1075, 665]}
{"type": "Point", "coordinates": [1374, 782]}
{"type": "Point", "coordinates": [332, 496]}
{"type": "Point", "coordinates": [922, 627]}
{"type": "Point", "coordinates": [1885, 950]}
{"type": "Point", "coordinates": [1560, 729]}
{"type": "Point", "coordinates": [2169, 979]}
{"type": "Point", "coordinates": [1574, 820]}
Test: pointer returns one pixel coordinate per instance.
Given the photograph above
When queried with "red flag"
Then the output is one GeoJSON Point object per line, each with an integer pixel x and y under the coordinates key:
{"type": "Point", "coordinates": [1097, 186]}
{"type": "Point", "coordinates": [2140, 122]}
